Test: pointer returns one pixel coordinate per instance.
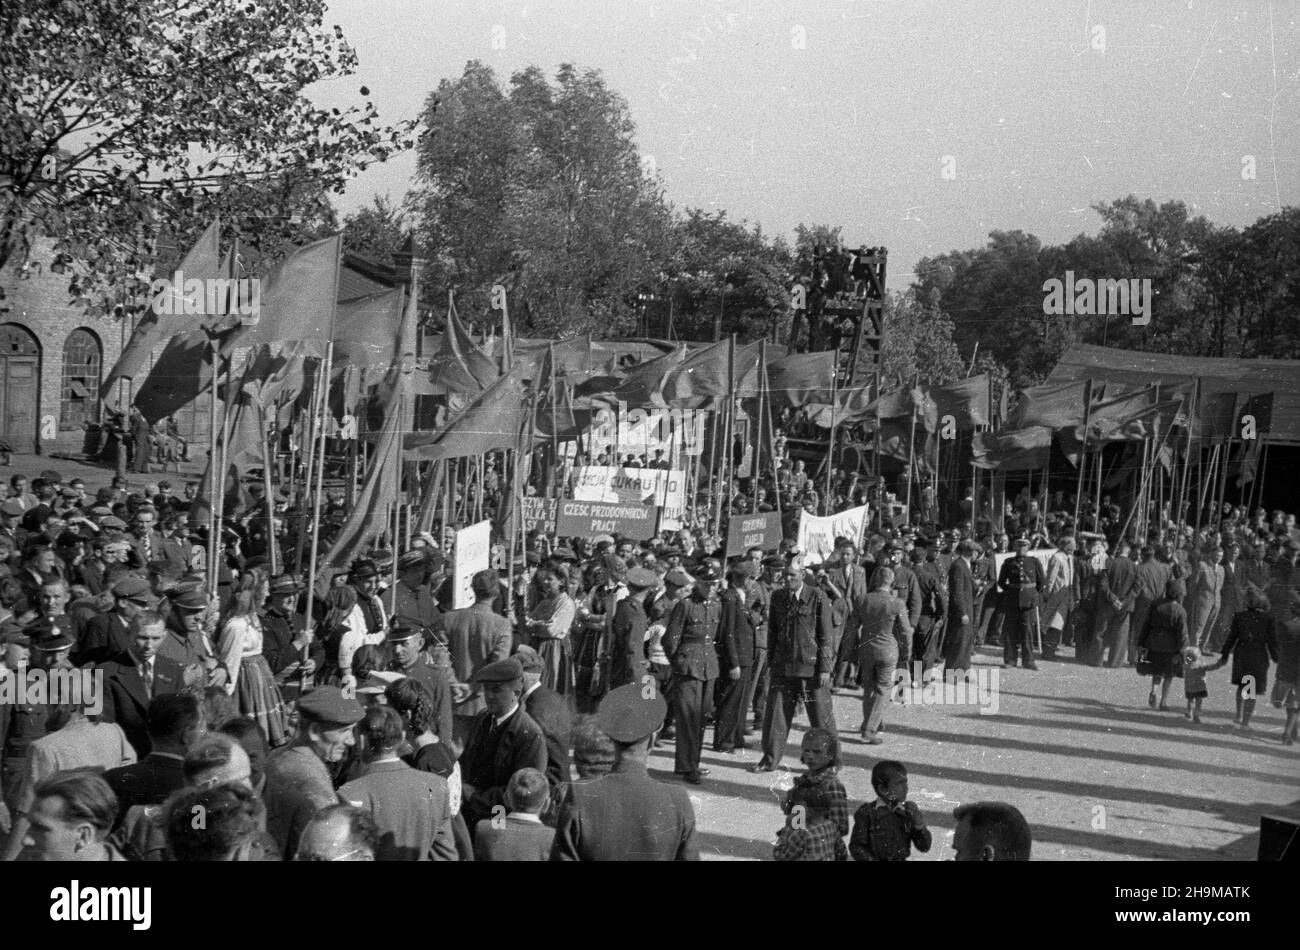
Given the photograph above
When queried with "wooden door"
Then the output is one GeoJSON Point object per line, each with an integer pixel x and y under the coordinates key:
{"type": "Point", "coordinates": [19, 387]}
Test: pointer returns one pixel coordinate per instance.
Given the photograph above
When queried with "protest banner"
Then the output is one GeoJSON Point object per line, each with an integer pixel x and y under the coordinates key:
{"type": "Point", "coordinates": [753, 531]}
{"type": "Point", "coordinates": [816, 538]}
{"type": "Point", "coordinates": [472, 554]}
{"type": "Point", "coordinates": [539, 513]}
{"type": "Point", "coordinates": [576, 518]}
{"type": "Point", "coordinates": [663, 488]}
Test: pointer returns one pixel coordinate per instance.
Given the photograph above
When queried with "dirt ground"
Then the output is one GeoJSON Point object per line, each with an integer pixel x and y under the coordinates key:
{"type": "Point", "coordinates": [1098, 775]}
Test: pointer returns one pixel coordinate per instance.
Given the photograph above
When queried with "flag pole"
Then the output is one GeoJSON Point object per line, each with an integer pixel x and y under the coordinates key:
{"type": "Point", "coordinates": [271, 552]}
{"type": "Point", "coordinates": [911, 458]}
{"type": "Point", "coordinates": [303, 489]}
{"type": "Point", "coordinates": [213, 548]}
{"type": "Point", "coordinates": [830, 443]}
{"type": "Point", "coordinates": [1083, 450]}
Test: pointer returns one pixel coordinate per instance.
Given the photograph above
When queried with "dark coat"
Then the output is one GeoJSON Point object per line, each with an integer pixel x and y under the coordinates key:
{"type": "Point", "coordinates": [961, 593]}
{"type": "Point", "coordinates": [550, 711]}
{"type": "Point", "coordinates": [126, 701]}
{"type": "Point", "coordinates": [1252, 644]}
{"type": "Point", "coordinates": [147, 782]}
{"type": "Point", "coordinates": [627, 645]}
{"type": "Point", "coordinates": [1021, 580]}
{"type": "Point", "coordinates": [625, 816]}
{"type": "Point", "coordinates": [490, 758]}
{"type": "Point", "coordinates": [519, 840]}
{"type": "Point", "coordinates": [800, 638]}
{"type": "Point", "coordinates": [737, 642]}
{"type": "Point", "coordinates": [104, 637]}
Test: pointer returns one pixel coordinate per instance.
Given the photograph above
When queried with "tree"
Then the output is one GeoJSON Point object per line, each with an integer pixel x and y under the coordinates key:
{"type": "Point", "coordinates": [121, 117]}
{"type": "Point", "coordinates": [919, 344]}
{"type": "Point", "coordinates": [539, 189]}
{"type": "Point", "coordinates": [377, 231]}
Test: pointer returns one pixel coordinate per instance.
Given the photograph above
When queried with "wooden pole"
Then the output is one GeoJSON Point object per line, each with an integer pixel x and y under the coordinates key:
{"type": "Point", "coordinates": [271, 552]}
{"type": "Point", "coordinates": [397, 487]}
{"type": "Point", "coordinates": [911, 464]}
{"type": "Point", "coordinates": [320, 473]}
{"type": "Point", "coordinates": [214, 353]}
{"type": "Point", "coordinates": [1083, 450]}
{"type": "Point", "coordinates": [830, 438]}
{"type": "Point", "coordinates": [303, 497]}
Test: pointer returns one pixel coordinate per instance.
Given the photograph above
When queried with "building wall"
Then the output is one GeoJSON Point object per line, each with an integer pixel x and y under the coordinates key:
{"type": "Point", "coordinates": [39, 302]}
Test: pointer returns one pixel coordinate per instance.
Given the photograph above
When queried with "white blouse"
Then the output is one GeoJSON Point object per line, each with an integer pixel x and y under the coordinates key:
{"type": "Point", "coordinates": [240, 637]}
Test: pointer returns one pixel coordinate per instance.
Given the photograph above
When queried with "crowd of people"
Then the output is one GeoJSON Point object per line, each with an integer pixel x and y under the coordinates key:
{"type": "Point", "coordinates": [378, 721]}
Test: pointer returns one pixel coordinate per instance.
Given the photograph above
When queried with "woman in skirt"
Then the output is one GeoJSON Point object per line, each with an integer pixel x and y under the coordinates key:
{"type": "Point", "coordinates": [1162, 641]}
{"type": "Point", "coordinates": [1252, 645]}
{"type": "Point", "coordinates": [548, 624]}
{"type": "Point", "coordinates": [239, 649]}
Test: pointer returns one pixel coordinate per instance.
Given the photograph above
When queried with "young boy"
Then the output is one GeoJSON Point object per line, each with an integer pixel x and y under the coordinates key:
{"type": "Point", "coordinates": [886, 829]}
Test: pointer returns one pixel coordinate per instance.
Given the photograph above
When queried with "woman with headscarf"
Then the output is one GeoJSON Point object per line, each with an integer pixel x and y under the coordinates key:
{"type": "Point", "coordinates": [239, 650]}
{"type": "Point", "coordinates": [1163, 637]}
{"type": "Point", "coordinates": [342, 632]}
{"type": "Point", "coordinates": [1252, 645]}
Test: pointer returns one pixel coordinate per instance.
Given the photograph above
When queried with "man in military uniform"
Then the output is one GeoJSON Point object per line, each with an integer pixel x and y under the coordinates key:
{"type": "Point", "coordinates": [689, 642]}
{"type": "Point", "coordinates": [627, 662]}
{"type": "Point", "coordinates": [627, 815]}
{"type": "Point", "coordinates": [407, 642]}
{"type": "Point", "coordinates": [21, 724]}
{"type": "Point", "coordinates": [1021, 580]}
{"type": "Point", "coordinates": [799, 644]}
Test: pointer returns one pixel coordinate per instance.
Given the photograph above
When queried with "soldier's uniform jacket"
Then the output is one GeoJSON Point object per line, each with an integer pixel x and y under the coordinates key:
{"type": "Point", "coordinates": [691, 635]}
{"type": "Point", "coordinates": [21, 724]}
{"type": "Point", "coordinates": [800, 633]}
{"type": "Point", "coordinates": [1021, 578]}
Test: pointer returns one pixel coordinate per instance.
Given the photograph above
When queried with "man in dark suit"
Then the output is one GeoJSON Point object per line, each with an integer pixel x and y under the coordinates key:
{"type": "Point", "coordinates": [959, 636]}
{"type": "Point", "coordinates": [689, 643]}
{"type": "Point", "coordinates": [799, 651]}
{"type": "Point", "coordinates": [1117, 592]}
{"type": "Point", "coordinates": [627, 815]}
{"type": "Point", "coordinates": [737, 646]}
{"type": "Point", "coordinates": [175, 722]}
{"type": "Point", "coordinates": [476, 636]}
{"type": "Point", "coordinates": [503, 740]}
{"type": "Point", "coordinates": [135, 676]}
{"type": "Point", "coordinates": [934, 607]}
{"type": "Point", "coordinates": [1021, 580]}
{"type": "Point", "coordinates": [107, 635]}
{"type": "Point", "coordinates": [550, 711]}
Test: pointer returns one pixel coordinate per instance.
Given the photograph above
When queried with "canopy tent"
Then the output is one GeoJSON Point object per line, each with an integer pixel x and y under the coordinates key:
{"type": "Point", "coordinates": [1218, 375]}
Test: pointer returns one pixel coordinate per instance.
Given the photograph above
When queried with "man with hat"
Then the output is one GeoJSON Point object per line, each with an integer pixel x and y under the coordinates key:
{"type": "Point", "coordinates": [1021, 580]}
{"type": "Point", "coordinates": [135, 676]}
{"type": "Point", "coordinates": [187, 643]}
{"type": "Point", "coordinates": [107, 635]}
{"type": "Point", "coordinates": [21, 724]}
{"type": "Point", "coordinates": [799, 641]}
{"type": "Point", "coordinates": [297, 775]}
{"type": "Point", "coordinates": [627, 815]}
{"type": "Point", "coordinates": [689, 642]}
{"type": "Point", "coordinates": [502, 740]}
{"type": "Point", "coordinates": [11, 510]}
{"type": "Point", "coordinates": [285, 636]}
{"type": "Point", "coordinates": [737, 647]}
{"type": "Point", "coordinates": [407, 641]}
{"type": "Point", "coordinates": [475, 637]}
{"type": "Point", "coordinates": [550, 711]}
{"type": "Point", "coordinates": [627, 663]}
{"type": "Point", "coordinates": [411, 597]}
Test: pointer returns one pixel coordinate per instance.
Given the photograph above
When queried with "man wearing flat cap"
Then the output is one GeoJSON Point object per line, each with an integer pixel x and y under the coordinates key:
{"type": "Point", "coordinates": [411, 598]}
{"type": "Point", "coordinates": [626, 815]}
{"type": "Point", "coordinates": [107, 635]}
{"type": "Point", "coordinates": [690, 642]}
{"type": "Point", "coordinates": [297, 775]}
{"type": "Point", "coordinates": [503, 740]}
{"type": "Point", "coordinates": [627, 663]}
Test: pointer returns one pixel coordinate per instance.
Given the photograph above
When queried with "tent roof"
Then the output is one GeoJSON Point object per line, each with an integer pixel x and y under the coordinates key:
{"type": "Point", "coordinates": [1247, 377]}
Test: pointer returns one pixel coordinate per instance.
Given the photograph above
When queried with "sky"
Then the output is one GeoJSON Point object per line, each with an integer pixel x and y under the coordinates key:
{"type": "Point", "coordinates": [918, 126]}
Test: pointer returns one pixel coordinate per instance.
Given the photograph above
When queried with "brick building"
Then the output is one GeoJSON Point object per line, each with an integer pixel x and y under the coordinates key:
{"type": "Point", "coordinates": [53, 355]}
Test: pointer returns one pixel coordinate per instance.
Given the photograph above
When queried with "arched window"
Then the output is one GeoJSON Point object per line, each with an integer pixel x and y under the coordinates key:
{"type": "Point", "coordinates": [79, 401]}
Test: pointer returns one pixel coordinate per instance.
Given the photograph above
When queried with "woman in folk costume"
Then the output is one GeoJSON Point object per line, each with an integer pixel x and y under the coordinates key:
{"type": "Point", "coordinates": [239, 651]}
{"type": "Point", "coordinates": [343, 631]}
{"type": "Point", "coordinates": [549, 623]}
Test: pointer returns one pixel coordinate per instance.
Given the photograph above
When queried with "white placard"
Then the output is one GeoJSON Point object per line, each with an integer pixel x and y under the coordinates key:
{"type": "Point", "coordinates": [665, 488]}
{"type": "Point", "coordinates": [473, 552]}
{"type": "Point", "coordinates": [816, 539]}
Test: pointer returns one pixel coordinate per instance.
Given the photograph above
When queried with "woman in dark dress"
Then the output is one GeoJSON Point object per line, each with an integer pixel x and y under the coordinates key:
{"type": "Point", "coordinates": [1252, 644]}
{"type": "Point", "coordinates": [1164, 637]}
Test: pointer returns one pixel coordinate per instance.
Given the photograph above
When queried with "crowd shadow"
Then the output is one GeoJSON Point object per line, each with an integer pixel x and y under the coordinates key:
{"type": "Point", "coordinates": [1131, 758]}
{"type": "Point", "coordinates": [1185, 732]}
